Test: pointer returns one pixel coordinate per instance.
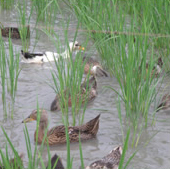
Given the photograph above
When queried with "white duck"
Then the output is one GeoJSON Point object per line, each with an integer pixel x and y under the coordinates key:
{"type": "Point", "coordinates": [42, 57]}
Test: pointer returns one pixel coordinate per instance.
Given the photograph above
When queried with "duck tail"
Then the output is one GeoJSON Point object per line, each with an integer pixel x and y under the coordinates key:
{"type": "Point", "coordinates": [100, 72]}
{"type": "Point", "coordinates": [96, 126]}
{"type": "Point", "coordinates": [92, 126]}
{"type": "Point", "coordinates": [59, 164]}
{"type": "Point", "coordinates": [118, 150]}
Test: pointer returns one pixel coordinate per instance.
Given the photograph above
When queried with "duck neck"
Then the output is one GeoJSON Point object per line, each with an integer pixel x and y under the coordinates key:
{"type": "Point", "coordinates": [41, 131]}
{"type": "Point", "coordinates": [66, 54]}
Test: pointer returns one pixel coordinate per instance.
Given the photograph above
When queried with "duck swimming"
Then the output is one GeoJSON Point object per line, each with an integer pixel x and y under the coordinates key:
{"type": "Point", "coordinates": [14, 32]}
{"type": "Point", "coordinates": [57, 135]}
{"type": "Point", "coordinates": [110, 161]}
{"type": "Point", "coordinates": [86, 93]}
{"type": "Point", "coordinates": [42, 57]}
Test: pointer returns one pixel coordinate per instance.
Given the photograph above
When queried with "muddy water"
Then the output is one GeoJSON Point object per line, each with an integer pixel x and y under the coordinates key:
{"type": "Point", "coordinates": [32, 86]}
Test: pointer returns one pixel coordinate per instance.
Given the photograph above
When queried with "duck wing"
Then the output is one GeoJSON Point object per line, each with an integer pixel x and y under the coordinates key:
{"type": "Point", "coordinates": [28, 55]}
{"type": "Point", "coordinates": [96, 68]}
{"type": "Point", "coordinates": [56, 135]}
{"type": "Point", "coordinates": [98, 71]}
{"type": "Point", "coordinates": [92, 83]}
{"type": "Point", "coordinates": [100, 165]}
{"type": "Point", "coordinates": [110, 161]}
{"type": "Point", "coordinates": [90, 61]}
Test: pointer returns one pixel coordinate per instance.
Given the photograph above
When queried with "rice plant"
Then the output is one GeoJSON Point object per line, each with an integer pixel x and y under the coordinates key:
{"type": "Point", "coordinates": [67, 82]}
{"type": "Point", "coordinates": [124, 54]}
{"type": "Point", "coordinates": [9, 69]}
{"type": "Point", "coordinates": [3, 68]}
{"type": "Point", "coordinates": [6, 162]}
{"type": "Point", "coordinates": [13, 67]}
{"type": "Point", "coordinates": [6, 4]}
{"type": "Point", "coordinates": [23, 23]}
{"type": "Point", "coordinates": [46, 11]}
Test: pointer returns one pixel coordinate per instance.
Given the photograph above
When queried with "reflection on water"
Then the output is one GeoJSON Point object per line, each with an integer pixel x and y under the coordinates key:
{"type": "Point", "coordinates": [33, 85]}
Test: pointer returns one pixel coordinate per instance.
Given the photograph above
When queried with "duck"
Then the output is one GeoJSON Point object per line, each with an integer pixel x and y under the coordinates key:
{"type": "Point", "coordinates": [14, 32]}
{"type": "Point", "coordinates": [56, 159]}
{"type": "Point", "coordinates": [165, 103]}
{"type": "Point", "coordinates": [56, 135]}
{"type": "Point", "coordinates": [94, 67]}
{"type": "Point", "coordinates": [156, 70]}
{"type": "Point", "coordinates": [87, 92]}
{"type": "Point", "coordinates": [110, 161]}
{"type": "Point", "coordinates": [41, 57]}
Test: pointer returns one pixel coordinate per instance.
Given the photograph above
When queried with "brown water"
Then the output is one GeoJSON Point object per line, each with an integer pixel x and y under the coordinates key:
{"type": "Point", "coordinates": [32, 85]}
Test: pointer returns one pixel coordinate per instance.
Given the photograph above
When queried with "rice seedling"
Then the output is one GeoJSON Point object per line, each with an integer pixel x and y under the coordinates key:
{"type": "Point", "coordinates": [24, 20]}
{"type": "Point", "coordinates": [67, 81]}
{"type": "Point", "coordinates": [124, 54]}
{"type": "Point", "coordinates": [9, 73]}
{"type": "Point", "coordinates": [13, 66]}
{"type": "Point", "coordinates": [6, 162]}
{"type": "Point", "coordinates": [6, 4]}
{"type": "Point", "coordinates": [46, 12]}
{"type": "Point", "coordinates": [3, 73]}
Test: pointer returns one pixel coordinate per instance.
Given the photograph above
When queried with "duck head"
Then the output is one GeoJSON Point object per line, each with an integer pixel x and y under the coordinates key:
{"type": "Point", "coordinates": [74, 46]}
{"type": "Point", "coordinates": [33, 116]}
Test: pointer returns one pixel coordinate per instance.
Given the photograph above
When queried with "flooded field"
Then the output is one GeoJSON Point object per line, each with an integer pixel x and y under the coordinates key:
{"type": "Point", "coordinates": [153, 147]}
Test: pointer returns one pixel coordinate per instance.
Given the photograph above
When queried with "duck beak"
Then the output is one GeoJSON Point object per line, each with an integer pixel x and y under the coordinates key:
{"type": "Point", "coordinates": [81, 48]}
{"type": "Point", "coordinates": [28, 119]}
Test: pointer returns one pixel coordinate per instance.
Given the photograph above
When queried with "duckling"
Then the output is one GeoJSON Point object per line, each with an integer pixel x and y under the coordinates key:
{"type": "Point", "coordinates": [88, 94]}
{"type": "Point", "coordinates": [111, 161]}
{"type": "Point", "coordinates": [165, 103]}
{"type": "Point", "coordinates": [94, 67]}
{"type": "Point", "coordinates": [57, 135]}
{"type": "Point", "coordinates": [42, 57]}
{"type": "Point", "coordinates": [59, 164]}
{"type": "Point", "coordinates": [14, 32]}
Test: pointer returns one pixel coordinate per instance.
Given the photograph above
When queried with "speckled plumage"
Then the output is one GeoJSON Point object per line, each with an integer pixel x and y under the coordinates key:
{"type": "Point", "coordinates": [94, 67]}
{"type": "Point", "coordinates": [110, 161]}
{"type": "Point", "coordinates": [56, 135]}
{"type": "Point", "coordinates": [86, 94]}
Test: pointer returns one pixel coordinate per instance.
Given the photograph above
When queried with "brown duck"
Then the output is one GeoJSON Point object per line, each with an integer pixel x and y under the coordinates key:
{"type": "Point", "coordinates": [93, 66]}
{"type": "Point", "coordinates": [111, 161]}
{"type": "Point", "coordinates": [57, 135]}
{"type": "Point", "coordinates": [86, 93]}
{"type": "Point", "coordinates": [5, 31]}
{"type": "Point", "coordinates": [156, 69]}
{"type": "Point", "coordinates": [56, 159]}
{"type": "Point", "coordinates": [165, 103]}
